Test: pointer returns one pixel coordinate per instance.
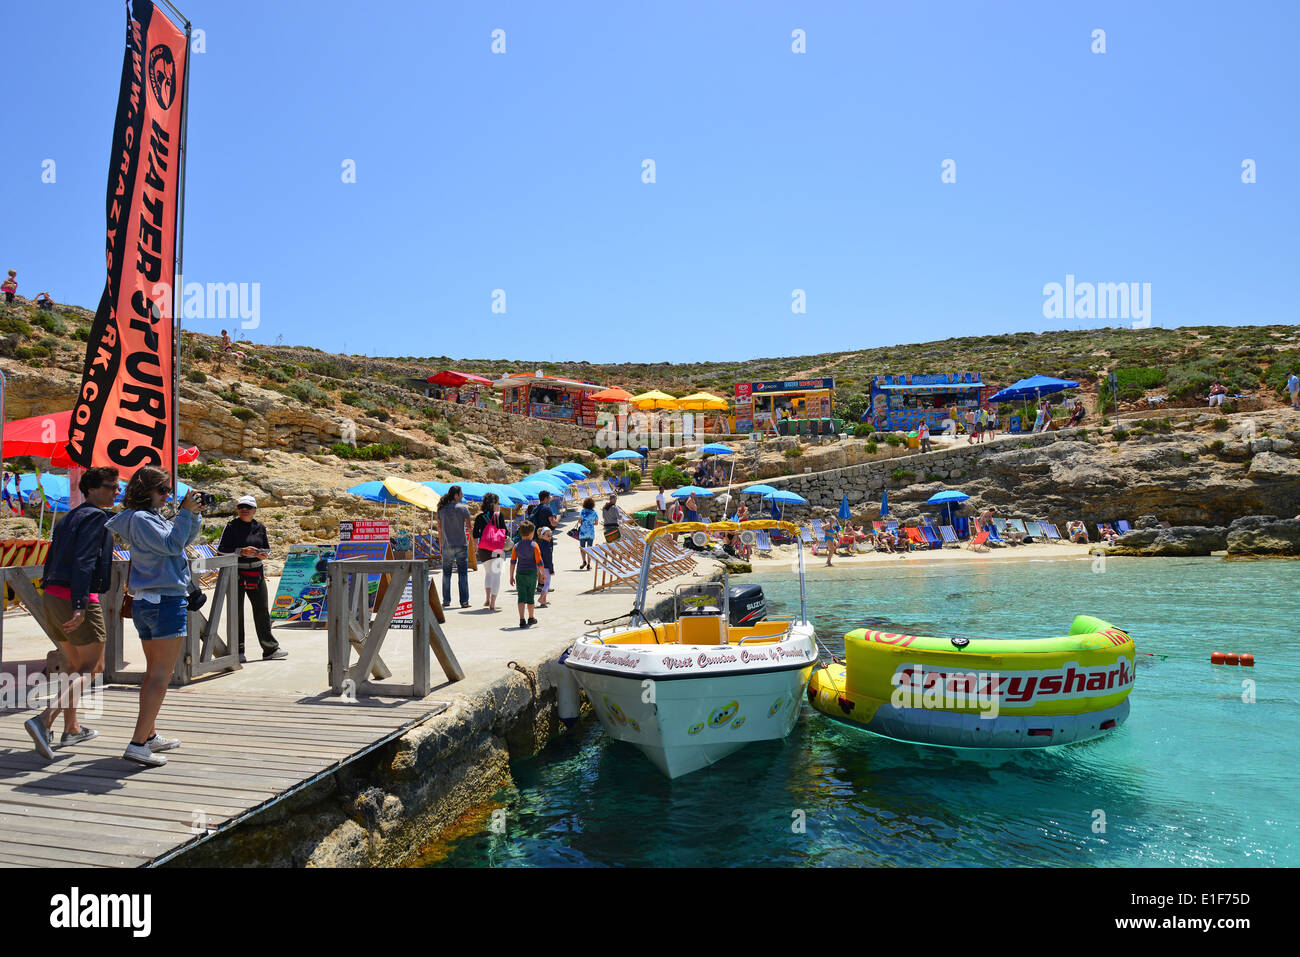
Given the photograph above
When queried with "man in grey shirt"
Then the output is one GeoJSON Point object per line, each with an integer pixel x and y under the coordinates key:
{"type": "Point", "coordinates": [453, 517]}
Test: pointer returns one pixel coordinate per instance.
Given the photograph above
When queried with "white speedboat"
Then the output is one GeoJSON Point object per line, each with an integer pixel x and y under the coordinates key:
{"type": "Point", "coordinates": [690, 691]}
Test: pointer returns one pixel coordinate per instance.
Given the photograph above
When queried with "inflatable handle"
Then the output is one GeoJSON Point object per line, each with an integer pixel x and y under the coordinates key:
{"type": "Point", "coordinates": [1088, 625]}
{"type": "Point", "coordinates": [960, 642]}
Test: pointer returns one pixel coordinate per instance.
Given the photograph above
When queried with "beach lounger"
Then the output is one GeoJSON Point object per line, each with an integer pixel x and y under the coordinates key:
{"type": "Point", "coordinates": [949, 534]}
{"type": "Point", "coordinates": [915, 537]}
{"type": "Point", "coordinates": [978, 542]}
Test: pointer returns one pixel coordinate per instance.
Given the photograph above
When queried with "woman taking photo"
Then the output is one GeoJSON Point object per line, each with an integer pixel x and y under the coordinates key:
{"type": "Point", "coordinates": [490, 533]}
{"type": "Point", "coordinates": [159, 581]}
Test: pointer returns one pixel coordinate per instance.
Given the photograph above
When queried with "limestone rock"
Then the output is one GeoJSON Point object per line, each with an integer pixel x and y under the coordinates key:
{"type": "Point", "coordinates": [1179, 541]}
{"type": "Point", "coordinates": [1259, 536]}
{"type": "Point", "coordinates": [1271, 465]}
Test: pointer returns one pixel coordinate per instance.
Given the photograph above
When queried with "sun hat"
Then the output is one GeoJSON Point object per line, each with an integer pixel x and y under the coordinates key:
{"type": "Point", "coordinates": [247, 500]}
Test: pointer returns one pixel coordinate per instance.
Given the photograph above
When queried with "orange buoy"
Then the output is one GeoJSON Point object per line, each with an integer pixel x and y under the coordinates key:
{"type": "Point", "coordinates": [1248, 661]}
{"type": "Point", "coordinates": [1230, 658]}
{"type": "Point", "coordinates": [1216, 657]}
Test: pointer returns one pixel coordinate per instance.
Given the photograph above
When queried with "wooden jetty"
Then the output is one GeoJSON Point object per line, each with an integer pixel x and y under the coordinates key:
{"type": "Point", "coordinates": [239, 753]}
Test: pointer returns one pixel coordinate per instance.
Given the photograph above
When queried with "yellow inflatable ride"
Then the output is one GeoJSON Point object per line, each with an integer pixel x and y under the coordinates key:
{"type": "Point", "coordinates": [981, 692]}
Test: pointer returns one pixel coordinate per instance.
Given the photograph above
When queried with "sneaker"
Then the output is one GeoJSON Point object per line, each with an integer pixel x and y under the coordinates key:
{"type": "Point", "coordinates": [242, 659]}
{"type": "Point", "coordinates": [157, 743]}
{"type": "Point", "coordinates": [85, 734]}
{"type": "Point", "coordinates": [464, 604]}
{"type": "Point", "coordinates": [40, 737]}
{"type": "Point", "coordinates": [140, 754]}
{"type": "Point", "coordinates": [522, 623]}
{"type": "Point", "coordinates": [532, 621]}
{"type": "Point", "coordinates": [276, 655]}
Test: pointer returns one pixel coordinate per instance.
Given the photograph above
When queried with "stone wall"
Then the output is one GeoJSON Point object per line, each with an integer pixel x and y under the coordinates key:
{"type": "Point", "coordinates": [864, 483]}
{"type": "Point", "coordinates": [506, 430]}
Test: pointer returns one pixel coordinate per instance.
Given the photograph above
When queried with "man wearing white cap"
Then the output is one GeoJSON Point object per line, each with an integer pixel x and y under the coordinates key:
{"type": "Point", "coordinates": [246, 536]}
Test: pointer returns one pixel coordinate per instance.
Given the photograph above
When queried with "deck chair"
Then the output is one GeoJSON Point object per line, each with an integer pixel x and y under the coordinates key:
{"type": "Point", "coordinates": [1016, 525]}
{"type": "Point", "coordinates": [203, 579]}
{"type": "Point", "coordinates": [915, 537]}
{"type": "Point", "coordinates": [1123, 527]}
{"type": "Point", "coordinates": [931, 536]}
{"type": "Point", "coordinates": [806, 535]}
{"type": "Point", "coordinates": [762, 542]}
{"type": "Point", "coordinates": [961, 523]}
{"type": "Point", "coordinates": [991, 535]}
{"type": "Point", "coordinates": [1053, 533]}
{"type": "Point", "coordinates": [949, 534]}
{"type": "Point", "coordinates": [1035, 530]}
{"type": "Point", "coordinates": [977, 543]}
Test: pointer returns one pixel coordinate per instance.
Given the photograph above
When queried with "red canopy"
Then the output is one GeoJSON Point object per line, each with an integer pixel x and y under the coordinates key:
{"type": "Point", "coordinates": [457, 379]}
{"type": "Point", "coordinates": [45, 437]}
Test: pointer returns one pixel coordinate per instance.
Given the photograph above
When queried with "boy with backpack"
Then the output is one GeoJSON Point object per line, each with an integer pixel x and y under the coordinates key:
{"type": "Point", "coordinates": [525, 561]}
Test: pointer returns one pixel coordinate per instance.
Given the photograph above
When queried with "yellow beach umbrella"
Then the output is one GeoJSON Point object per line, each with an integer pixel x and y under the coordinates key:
{"type": "Point", "coordinates": [700, 401]}
{"type": "Point", "coordinates": [412, 492]}
{"type": "Point", "coordinates": [654, 400]}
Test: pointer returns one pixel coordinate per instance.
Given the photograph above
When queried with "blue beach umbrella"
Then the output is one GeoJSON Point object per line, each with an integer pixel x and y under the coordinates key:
{"type": "Point", "coordinates": [844, 513]}
{"type": "Point", "coordinates": [758, 490]}
{"type": "Point", "coordinates": [574, 467]}
{"type": "Point", "coordinates": [1034, 386]}
{"type": "Point", "coordinates": [440, 487]}
{"type": "Point", "coordinates": [374, 492]}
{"type": "Point", "coordinates": [687, 490]}
{"type": "Point", "coordinates": [946, 498]}
{"type": "Point", "coordinates": [787, 498]}
{"type": "Point", "coordinates": [717, 448]}
{"type": "Point", "coordinates": [569, 471]}
{"type": "Point", "coordinates": [776, 511]}
{"type": "Point", "coordinates": [623, 454]}
{"type": "Point", "coordinates": [884, 503]}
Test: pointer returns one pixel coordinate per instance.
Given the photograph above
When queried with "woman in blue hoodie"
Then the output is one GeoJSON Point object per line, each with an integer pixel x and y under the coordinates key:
{"type": "Point", "coordinates": [160, 579]}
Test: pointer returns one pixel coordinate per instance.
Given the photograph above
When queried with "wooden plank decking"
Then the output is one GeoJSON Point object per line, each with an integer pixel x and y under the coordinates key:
{"type": "Point", "coordinates": [89, 807]}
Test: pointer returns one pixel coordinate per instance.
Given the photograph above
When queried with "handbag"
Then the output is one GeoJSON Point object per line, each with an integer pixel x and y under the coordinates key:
{"type": "Point", "coordinates": [493, 539]}
{"type": "Point", "coordinates": [128, 602]}
{"type": "Point", "coordinates": [573, 533]}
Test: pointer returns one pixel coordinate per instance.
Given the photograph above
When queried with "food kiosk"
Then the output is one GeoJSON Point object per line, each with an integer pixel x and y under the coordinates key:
{"type": "Point", "coordinates": [762, 406]}
{"type": "Point", "coordinates": [544, 397]}
{"type": "Point", "coordinates": [902, 402]}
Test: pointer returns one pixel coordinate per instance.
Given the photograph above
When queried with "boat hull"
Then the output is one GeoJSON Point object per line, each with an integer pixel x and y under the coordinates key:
{"type": "Point", "coordinates": [687, 707]}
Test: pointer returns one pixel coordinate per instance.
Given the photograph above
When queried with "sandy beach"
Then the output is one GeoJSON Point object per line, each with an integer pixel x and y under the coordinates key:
{"type": "Point", "coordinates": [783, 556]}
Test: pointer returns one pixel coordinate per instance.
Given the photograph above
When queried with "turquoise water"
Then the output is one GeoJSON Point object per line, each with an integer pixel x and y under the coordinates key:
{"type": "Point", "coordinates": [1196, 777]}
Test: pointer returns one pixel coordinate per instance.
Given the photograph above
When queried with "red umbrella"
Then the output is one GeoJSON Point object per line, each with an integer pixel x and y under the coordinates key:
{"type": "Point", "coordinates": [40, 436]}
{"type": "Point", "coordinates": [614, 394]}
{"type": "Point", "coordinates": [457, 379]}
{"type": "Point", "coordinates": [46, 437]}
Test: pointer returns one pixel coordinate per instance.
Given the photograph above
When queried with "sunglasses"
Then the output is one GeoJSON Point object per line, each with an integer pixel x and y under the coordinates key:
{"type": "Point", "coordinates": [242, 507]}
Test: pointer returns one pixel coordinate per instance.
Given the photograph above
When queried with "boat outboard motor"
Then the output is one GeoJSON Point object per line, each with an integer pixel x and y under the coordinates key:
{"type": "Point", "coordinates": [748, 605]}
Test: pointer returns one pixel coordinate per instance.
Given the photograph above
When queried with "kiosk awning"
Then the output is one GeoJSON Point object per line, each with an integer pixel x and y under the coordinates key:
{"type": "Point", "coordinates": [932, 386]}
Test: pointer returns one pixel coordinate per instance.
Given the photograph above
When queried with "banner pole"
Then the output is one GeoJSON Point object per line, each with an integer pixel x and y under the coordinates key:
{"type": "Point", "coordinates": [178, 279]}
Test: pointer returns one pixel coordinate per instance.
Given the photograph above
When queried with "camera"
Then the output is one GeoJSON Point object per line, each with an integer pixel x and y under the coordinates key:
{"type": "Point", "coordinates": [207, 499]}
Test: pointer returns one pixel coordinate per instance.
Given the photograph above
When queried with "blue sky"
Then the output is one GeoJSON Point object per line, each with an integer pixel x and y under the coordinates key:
{"type": "Point", "coordinates": [775, 171]}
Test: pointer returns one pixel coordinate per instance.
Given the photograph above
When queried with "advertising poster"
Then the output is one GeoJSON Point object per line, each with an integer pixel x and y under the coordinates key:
{"type": "Point", "coordinates": [301, 594]}
{"type": "Point", "coordinates": [364, 538]}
